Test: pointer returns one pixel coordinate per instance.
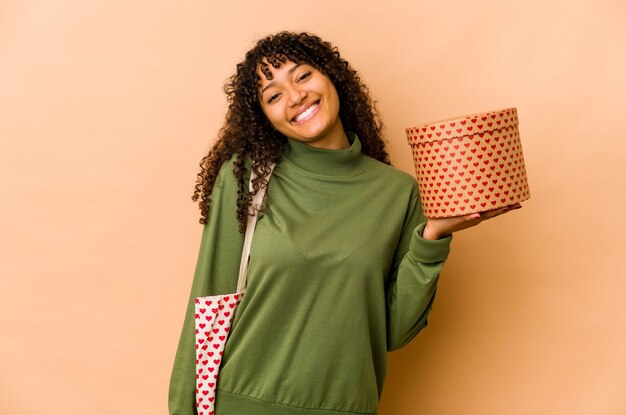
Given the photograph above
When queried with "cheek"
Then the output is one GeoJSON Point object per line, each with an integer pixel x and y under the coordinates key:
{"type": "Point", "coordinates": [334, 97]}
{"type": "Point", "coordinates": [271, 114]}
{"type": "Point", "coordinates": [276, 118]}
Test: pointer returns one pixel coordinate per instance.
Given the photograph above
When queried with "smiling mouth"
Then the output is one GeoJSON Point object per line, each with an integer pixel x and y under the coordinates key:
{"type": "Point", "coordinates": [306, 114]}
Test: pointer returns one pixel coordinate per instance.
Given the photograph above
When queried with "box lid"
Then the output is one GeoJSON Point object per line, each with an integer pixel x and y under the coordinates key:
{"type": "Point", "coordinates": [465, 125]}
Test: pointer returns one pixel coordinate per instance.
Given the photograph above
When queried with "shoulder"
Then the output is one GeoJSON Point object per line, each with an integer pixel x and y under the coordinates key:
{"type": "Point", "coordinates": [224, 193]}
{"type": "Point", "coordinates": [226, 173]}
{"type": "Point", "coordinates": [226, 178]}
{"type": "Point", "coordinates": [393, 175]}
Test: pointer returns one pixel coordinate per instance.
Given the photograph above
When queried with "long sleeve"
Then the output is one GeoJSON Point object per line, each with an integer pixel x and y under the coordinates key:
{"type": "Point", "coordinates": [216, 273]}
{"type": "Point", "coordinates": [412, 282]}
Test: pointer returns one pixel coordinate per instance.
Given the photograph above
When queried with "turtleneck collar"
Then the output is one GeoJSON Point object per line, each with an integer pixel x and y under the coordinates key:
{"type": "Point", "coordinates": [324, 162]}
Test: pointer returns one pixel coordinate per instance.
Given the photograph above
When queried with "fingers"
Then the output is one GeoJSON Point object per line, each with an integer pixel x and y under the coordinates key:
{"type": "Point", "coordinates": [513, 207]}
{"type": "Point", "coordinates": [497, 212]}
{"type": "Point", "coordinates": [446, 226]}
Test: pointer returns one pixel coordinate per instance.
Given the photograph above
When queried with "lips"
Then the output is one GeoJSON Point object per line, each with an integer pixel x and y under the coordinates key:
{"type": "Point", "coordinates": [306, 114]}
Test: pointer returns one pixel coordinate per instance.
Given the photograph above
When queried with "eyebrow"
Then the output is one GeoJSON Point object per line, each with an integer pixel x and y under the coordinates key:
{"type": "Point", "coordinates": [290, 71]}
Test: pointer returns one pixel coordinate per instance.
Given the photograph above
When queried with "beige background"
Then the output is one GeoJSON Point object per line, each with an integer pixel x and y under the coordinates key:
{"type": "Point", "coordinates": [106, 108]}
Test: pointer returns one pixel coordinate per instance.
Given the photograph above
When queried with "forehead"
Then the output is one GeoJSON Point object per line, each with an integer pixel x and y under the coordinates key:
{"type": "Point", "coordinates": [268, 64]}
{"type": "Point", "coordinates": [267, 69]}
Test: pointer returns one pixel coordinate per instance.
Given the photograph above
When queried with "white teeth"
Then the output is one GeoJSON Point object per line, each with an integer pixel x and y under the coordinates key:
{"type": "Point", "coordinates": [306, 113]}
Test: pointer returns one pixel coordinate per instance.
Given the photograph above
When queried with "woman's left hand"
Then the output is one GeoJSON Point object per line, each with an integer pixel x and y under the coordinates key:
{"type": "Point", "coordinates": [441, 227]}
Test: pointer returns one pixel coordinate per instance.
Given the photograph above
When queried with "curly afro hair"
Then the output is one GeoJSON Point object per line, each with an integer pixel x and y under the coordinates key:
{"type": "Point", "coordinates": [248, 134]}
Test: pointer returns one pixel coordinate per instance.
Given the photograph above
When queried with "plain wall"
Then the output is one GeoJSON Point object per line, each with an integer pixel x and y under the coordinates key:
{"type": "Point", "coordinates": [107, 107]}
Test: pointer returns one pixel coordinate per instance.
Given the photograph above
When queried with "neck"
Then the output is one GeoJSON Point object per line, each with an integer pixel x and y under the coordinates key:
{"type": "Point", "coordinates": [325, 161]}
{"type": "Point", "coordinates": [335, 139]}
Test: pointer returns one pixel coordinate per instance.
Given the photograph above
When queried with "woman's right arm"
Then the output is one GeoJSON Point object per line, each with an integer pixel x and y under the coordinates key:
{"type": "Point", "coordinates": [216, 273]}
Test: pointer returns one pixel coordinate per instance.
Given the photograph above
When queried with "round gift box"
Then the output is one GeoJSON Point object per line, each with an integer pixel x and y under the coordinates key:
{"type": "Point", "coordinates": [469, 164]}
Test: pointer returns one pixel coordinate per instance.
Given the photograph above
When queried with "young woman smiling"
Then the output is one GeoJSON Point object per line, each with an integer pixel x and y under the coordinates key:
{"type": "Point", "coordinates": [344, 266]}
{"type": "Point", "coordinates": [302, 104]}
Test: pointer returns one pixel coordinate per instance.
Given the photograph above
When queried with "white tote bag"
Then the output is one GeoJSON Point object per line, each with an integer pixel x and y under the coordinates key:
{"type": "Point", "coordinates": [214, 315]}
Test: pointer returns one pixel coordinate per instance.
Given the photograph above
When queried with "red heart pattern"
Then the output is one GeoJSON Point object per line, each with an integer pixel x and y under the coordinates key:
{"type": "Point", "coordinates": [469, 164]}
{"type": "Point", "coordinates": [214, 316]}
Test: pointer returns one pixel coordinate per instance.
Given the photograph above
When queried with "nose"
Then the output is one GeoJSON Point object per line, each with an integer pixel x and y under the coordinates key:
{"type": "Point", "coordinates": [296, 96]}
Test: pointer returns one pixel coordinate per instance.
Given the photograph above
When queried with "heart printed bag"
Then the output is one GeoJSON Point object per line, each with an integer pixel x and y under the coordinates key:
{"type": "Point", "coordinates": [214, 315]}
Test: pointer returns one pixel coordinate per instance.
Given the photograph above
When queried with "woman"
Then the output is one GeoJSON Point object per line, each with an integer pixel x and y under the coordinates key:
{"type": "Point", "coordinates": [344, 266]}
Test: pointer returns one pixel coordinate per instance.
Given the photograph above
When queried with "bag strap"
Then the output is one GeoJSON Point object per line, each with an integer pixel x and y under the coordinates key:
{"type": "Point", "coordinates": [257, 200]}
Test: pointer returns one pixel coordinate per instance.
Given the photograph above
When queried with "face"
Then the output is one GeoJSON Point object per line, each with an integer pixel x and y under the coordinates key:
{"type": "Point", "coordinates": [302, 103]}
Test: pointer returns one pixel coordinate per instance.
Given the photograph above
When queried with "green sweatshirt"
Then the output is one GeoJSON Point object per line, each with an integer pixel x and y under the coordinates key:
{"type": "Point", "coordinates": [339, 274]}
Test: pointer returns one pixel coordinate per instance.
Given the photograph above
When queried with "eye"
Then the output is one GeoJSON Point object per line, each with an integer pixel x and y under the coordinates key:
{"type": "Point", "coordinates": [273, 98]}
{"type": "Point", "coordinates": [304, 76]}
